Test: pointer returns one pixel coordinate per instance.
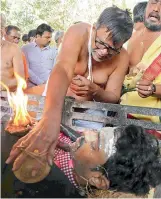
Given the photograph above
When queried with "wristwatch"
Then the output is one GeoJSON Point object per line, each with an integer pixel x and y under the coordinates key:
{"type": "Point", "coordinates": [153, 88]}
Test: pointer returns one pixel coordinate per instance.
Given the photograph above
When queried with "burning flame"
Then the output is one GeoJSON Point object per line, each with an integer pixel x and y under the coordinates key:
{"type": "Point", "coordinates": [18, 103]}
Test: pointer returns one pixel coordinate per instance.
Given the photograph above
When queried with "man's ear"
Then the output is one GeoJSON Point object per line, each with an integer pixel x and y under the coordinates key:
{"type": "Point", "coordinates": [100, 182]}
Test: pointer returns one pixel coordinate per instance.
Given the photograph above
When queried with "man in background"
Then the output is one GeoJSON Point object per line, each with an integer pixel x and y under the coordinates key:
{"type": "Point", "coordinates": [138, 18]}
{"type": "Point", "coordinates": [138, 15]}
{"type": "Point", "coordinates": [142, 87]}
{"type": "Point", "coordinates": [25, 39]}
{"type": "Point", "coordinates": [11, 60]}
{"type": "Point", "coordinates": [12, 34]}
{"type": "Point", "coordinates": [40, 56]}
{"type": "Point", "coordinates": [58, 38]}
{"type": "Point", "coordinates": [31, 35]}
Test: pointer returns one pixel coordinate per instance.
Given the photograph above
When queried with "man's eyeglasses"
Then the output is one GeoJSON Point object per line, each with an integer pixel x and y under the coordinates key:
{"type": "Point", "coordinates": [101, 45]}
{"type": "Point", "coordinates": [14, 37]}
{"type": "Point", "coordinates": [155, 1]}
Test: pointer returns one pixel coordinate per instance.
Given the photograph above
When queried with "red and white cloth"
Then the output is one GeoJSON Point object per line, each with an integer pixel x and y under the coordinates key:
{"type": "Point", "coordinates": [63, 159]}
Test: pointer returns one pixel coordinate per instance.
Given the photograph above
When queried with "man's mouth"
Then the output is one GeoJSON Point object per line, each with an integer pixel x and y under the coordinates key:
{"type": "Point", "coordinates": [104, 57]}
{"type": "Point", "coordinates": [154, 16]}
{"type": "Point", "coordinates": [99, 56]}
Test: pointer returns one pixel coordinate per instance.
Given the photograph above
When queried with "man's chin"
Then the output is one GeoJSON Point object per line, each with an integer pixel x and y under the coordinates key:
{"type": "Point", "coordinates": [153, 26]}
{"type": "Point", "coordinates": [97, 59]}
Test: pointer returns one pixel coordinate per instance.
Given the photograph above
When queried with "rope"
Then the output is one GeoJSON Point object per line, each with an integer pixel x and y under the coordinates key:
{"type": "Point", "coordinates": [34, 155]}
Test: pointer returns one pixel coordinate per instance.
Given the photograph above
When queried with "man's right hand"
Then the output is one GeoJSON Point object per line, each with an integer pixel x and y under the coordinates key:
{"type": "Point", "coordinates": [42, 139]}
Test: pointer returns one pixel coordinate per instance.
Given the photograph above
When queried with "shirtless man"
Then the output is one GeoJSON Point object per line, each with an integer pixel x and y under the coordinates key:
{"type": "Point", "coordinates": [142, 40]}
{"type": "Point", "coordinates": [87, 53]}
{"type": "Point", "coordinates": [11, 61]}
{"type": "Point", "coordinates": [12, 34]}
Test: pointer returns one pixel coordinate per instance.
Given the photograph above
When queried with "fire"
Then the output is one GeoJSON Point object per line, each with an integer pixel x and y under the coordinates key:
{"type": "Point", "coordinates": [18, 102]}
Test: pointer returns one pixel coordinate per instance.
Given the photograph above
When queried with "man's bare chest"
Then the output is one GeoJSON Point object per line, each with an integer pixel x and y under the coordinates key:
{"type": "Point", "coordinates": [6, 62]}
{"type": "Point", "coordinates": [139, 48]}
{"type": "Point", "coordinates": [100, 72]}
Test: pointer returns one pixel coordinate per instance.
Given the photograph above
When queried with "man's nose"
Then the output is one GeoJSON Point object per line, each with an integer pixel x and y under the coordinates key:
{"type": "Point", "coordinates": [104, 51]}
{"type": "Point", "coordinates": [157, 6]}
{"type": "Point", "coordinates": [16, 41]}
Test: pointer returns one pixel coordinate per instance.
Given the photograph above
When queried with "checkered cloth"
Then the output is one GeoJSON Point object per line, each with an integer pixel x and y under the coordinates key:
{"type": "Point", "coordinates": [63, 159]}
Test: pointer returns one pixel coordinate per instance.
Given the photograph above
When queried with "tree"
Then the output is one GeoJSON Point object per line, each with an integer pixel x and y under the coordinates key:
{"type": "Point", "coordinates": [60, 14]}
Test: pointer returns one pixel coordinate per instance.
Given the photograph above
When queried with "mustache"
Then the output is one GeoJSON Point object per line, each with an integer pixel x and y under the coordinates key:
{"type": "Point", "coordinates": [154, 14]}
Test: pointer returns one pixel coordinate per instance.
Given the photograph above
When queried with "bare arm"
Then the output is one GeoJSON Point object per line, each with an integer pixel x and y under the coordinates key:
{"type": "Point", "coordinates": [135, 50]}
{"type": "Point", "coordinates": [62, 75]}
{"type": "Point", "coordinates": [45, 134]}
{"type": "Point", "coordinates": [18, 61]}
{"type": "Point", "coordinates": [18, 67]}
{"type": "Point", "coordinates": [112, 92]}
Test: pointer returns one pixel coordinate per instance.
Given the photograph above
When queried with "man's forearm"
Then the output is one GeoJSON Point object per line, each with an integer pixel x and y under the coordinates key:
{"type": "Point", "coordinates": [105, 96]}
{"type": "Point", "coordinates": [56, 91]}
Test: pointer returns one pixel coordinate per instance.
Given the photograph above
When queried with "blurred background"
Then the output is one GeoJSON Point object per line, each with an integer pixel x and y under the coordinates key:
{"type": "Point", "coordinates": [59, 14]}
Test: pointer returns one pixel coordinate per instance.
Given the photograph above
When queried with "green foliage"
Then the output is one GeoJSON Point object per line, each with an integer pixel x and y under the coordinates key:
{"type": "Point", "coordinates": [60, 14]}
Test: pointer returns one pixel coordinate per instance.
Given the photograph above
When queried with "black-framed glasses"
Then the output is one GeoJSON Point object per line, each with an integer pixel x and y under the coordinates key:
{"type": "Point", "coordinates": [102, 45]}
{"type": "Point", "coordinates": [155, 1]}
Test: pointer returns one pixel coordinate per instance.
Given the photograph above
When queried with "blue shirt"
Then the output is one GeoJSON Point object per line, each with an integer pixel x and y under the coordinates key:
{"type": "Point", "coordinates": [40, 62]}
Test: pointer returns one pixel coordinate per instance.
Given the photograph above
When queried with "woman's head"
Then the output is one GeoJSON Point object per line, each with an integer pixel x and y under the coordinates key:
{"type": "Point", "coordinates": [136, 164]}
{"type": "Point", "coordinates": [88, 157]}
{"type": "Point", "coordinates": [123, 159]}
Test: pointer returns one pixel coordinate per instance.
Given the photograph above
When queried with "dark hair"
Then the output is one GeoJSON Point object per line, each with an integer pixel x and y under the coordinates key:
{"type": "Point", "coordinates": [25, 37]}
{"type": "Point", "coordinates": [31, 33]}
{"type": "Point", "coordinates": [136, 164]}
{"type": "Point", "coordinates": [10, 27]}
{"type": "Point", "coordinates": [42, 28]}
{"type": "Point", "coordinates": [117, 21]}
{"type": "Point", "coordinates": [139, 11]}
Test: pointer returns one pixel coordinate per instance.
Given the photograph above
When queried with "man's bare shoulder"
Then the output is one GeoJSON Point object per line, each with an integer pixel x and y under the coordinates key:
{"type": "Point", "coordinates": [123, 56]}
{"type": "Point", "coordinates": [135, 36]}
{"type": "Point", "coordinates": [78, 30]}
{"type": "Point", "coordinates": [120, 61]}
{"type": "Point", "coordinates": [11, 46]}
{"type": "Point", "coordinates": [123, 53]}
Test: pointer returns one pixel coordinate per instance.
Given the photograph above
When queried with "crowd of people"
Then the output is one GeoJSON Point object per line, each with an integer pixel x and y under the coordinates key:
{"type": "Point", "coordinates": [90, 63]}
{"type": "Point", "coordinates": [38, 56]}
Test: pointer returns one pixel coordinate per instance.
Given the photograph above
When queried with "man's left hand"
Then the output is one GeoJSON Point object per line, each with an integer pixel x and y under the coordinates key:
{"type": "Point", "coordinates": [144, 88]}
{"type": "Point", "coordinates": [81, 86]}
